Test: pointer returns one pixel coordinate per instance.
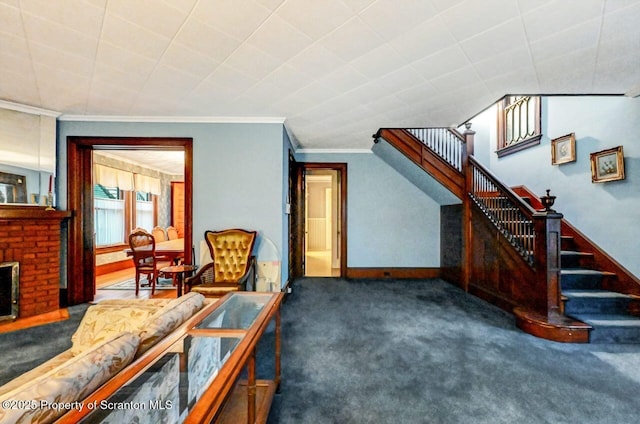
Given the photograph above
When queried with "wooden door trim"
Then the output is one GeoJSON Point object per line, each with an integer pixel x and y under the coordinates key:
{"type": "Point", "coordinates": [341, 168]}
{"type": "Point", "coordinates": [80, 246]}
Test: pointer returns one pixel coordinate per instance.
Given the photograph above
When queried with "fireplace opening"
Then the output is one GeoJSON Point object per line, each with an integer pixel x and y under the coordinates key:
{"type": "Point", "coordinates": [9, 282]}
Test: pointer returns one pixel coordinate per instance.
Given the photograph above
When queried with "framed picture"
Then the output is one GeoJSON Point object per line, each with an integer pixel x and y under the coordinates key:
{"type": "Point", "coordinates": [607, 165]}
{"type": "Point", "coordinates": [563, 149]}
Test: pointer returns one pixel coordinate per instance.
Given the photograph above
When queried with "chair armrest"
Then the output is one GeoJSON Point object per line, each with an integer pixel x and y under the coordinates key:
{"type": "Point", "coordinates": [200, 277]}
{"type": "Point", "coordinates": [248, 281]}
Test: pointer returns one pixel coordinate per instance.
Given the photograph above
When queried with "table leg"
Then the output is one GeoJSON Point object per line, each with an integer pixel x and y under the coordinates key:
{"type": "Point", "coordinates": [179, 283]}
{"type": "Point", "coordinates": [251, 388]}
{"type": "Point", "coordinates": [278, 350]}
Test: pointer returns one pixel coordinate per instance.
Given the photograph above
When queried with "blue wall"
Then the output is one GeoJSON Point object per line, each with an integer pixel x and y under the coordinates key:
{"type": "Point", "coordinates": [608, 213]}
{"type": "Point", "coordinates": [237, 172]}
{"type": "Point", "coordinates": [390, 222]}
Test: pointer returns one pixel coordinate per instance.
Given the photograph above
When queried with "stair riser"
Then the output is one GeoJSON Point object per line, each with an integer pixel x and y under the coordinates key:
{"type": "Point", "coordinates": [576, 261]}
{"type": "Point", "coordinates": [581, 282]}
{"type": "Point", "coordinates": [596, 306]}
{"type": "Point", "coordinates": [567, 243]}
{"type": "Point", "coordinates": [615, 335]}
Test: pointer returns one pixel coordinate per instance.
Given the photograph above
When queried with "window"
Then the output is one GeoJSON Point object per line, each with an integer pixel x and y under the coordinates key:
{"type": "Point", "coordinates": [109, 217]}
{"type": "Point", "coordinates": [518, 124]}
{"type": "Point", "coordinates": [144, 211]}
{"type": "Point", "coordinates": [122, 201]}
{"type": "Point", "coordinates": [116, 213]}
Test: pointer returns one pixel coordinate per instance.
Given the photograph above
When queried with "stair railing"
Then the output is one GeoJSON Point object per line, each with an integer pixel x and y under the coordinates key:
{"type": "Point", "coordinates": [512, 216]}
{"type": "Point", "coordinates": [447, 143]}
{"type": "Point", "coordinates": [533, 234]}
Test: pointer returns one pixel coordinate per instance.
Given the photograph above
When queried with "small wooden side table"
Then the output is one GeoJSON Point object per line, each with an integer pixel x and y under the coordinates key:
{"type": "Point", "coordinates": [177, 273]}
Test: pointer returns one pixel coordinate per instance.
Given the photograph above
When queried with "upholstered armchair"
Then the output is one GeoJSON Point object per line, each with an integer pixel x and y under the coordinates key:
{"type": "Point", "coordinates": [143, 249]}
{"type": "Point", "coordinates": [233, 267]}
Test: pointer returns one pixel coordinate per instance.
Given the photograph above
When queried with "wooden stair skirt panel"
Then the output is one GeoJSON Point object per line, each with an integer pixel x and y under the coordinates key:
{"type": "Point", "coordinates": [426, 159]}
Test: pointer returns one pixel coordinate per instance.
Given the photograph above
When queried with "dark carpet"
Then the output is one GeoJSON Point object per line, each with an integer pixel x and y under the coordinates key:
{"type": "Point", "coordinates": [426, 352]}
{"type": "Point", "coordinates": [409, 352]}
{"type": "Point", "coordinates": [23, 350]}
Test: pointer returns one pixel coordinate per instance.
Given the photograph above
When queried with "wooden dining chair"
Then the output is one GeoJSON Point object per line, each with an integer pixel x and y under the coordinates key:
{"type": "Point", "coordinates": [172, 233]}
{"type": "Point", "coordinates": [143, 248]}
{"type": "Point", "coordinates": [233, 267]}
{"type": "Point", "coordinates": [159, 234]}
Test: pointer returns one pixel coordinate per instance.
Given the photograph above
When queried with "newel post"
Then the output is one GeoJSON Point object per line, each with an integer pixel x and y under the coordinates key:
{"type": "Point", "coordinates": [548, 247]}
{"type": "Point", "coordinates": [468, 137]}
{"type": "Point", "coordinates": [467, 229]}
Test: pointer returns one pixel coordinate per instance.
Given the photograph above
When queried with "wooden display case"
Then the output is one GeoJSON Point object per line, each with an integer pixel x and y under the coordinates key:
{"type": "Point", "coordinates": [195, 375]}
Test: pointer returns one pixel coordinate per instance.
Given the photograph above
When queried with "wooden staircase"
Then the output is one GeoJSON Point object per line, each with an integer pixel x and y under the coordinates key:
{"type": "Point", "coordinates": [522, 257]}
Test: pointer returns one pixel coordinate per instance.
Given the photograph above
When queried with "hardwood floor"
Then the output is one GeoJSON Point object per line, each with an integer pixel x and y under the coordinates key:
{"type": "Point", "coordinates": [101, 294]}
{"type": "Point", "coordinates": [122, 275]}
{"type": "Point", "coordinates": [318, 264]}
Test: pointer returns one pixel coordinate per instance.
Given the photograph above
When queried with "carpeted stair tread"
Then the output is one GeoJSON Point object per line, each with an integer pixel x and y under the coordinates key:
{"type": "Point", "coordinates": [612, 328]}
{"type": "Point", "coordinates": [595, 302]}
{"type": "Point", "coordinates": [595, 294]}
{"type": "Point", "coordinates": [604, 320]}
{"type": "Point", "coordinates": [583, 271]}
{"type": "Point", "coordinates": [575, 252]}
{"type": "Point", "coordinates": [582, 279]}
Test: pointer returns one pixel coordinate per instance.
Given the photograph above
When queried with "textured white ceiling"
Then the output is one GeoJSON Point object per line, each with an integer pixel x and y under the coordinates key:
{"type": "Point", "coordinates": [336, 70]}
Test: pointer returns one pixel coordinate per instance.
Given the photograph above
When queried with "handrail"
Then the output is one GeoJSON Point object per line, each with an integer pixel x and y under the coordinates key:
{"type": "Point", "coordinates": [511, 215]}
{"type": "Point", "coordinates": [526, 235]}
{"type": "Point", "coordinates": [447, 143]}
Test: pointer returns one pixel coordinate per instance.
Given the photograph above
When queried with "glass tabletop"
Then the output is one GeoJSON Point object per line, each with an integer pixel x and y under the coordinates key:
{"type": "Point", "coordinates": [171, 386]}
{"type": "Point", "coordinates": [239, 311]}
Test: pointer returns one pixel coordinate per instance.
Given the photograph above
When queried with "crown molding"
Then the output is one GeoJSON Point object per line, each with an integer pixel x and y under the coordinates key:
{"type": "Point", "coordinates": [175, 119]}
{"type": "Point", "coordinates": [28, 109]}
{"type": "Point", "coordinates": [334, 151]}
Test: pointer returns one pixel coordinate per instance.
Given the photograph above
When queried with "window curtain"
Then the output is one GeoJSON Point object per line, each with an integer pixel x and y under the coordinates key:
{"type": "Point", "coordinates": [147, 184]}
{"type": "Point", "coordinates": [111, 177]}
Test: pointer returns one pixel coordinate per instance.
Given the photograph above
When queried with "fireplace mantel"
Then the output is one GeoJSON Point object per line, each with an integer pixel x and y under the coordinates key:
{"type": "Point", "coordinates": [14, 212]}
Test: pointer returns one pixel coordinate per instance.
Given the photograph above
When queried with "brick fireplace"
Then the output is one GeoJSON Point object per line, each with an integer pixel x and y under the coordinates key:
{"type": "Point", "coordinates": [31, 236]}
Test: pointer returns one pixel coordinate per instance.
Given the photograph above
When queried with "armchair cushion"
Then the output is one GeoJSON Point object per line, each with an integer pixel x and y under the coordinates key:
{"type": "Point", "coordinates": [203, 281]}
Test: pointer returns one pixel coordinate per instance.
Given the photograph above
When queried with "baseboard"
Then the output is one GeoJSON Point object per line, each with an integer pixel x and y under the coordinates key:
{"type": "Point", "coordinates": [287, 289]}
{"type": "Point", "coordinates": [114, 266]}
{"type": "Point", "coordinates": [394, 273]}
{"type": "Point", "coordinates": [452, 275]}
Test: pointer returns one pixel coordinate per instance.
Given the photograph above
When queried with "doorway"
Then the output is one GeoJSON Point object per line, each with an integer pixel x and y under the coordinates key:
{"type": "Point", "coordinates": [319, 206]}
{"type": "Point", "coordinates": [322, 223]}
{"type": "Point", "coordinates": [81, 241]}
